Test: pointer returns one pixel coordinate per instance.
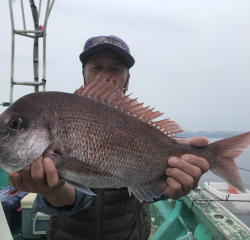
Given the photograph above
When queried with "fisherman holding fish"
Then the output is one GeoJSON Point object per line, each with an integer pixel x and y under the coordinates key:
{"type": "Point", "coordinates": [110, 213]}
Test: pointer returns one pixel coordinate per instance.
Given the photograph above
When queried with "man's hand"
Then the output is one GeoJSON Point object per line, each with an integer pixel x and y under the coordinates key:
{"type": "Point", "coordinates": [185, 173]}
{"type": "Point", "coordinates": [41, 177]}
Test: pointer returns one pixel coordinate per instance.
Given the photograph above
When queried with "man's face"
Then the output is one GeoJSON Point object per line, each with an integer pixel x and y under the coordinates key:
{"type": "Point", "coordinates": [107, 62]}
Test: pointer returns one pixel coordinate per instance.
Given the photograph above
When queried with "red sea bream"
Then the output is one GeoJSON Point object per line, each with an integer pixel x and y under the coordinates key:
{"type": "Point", "coordinates": [99, 138]}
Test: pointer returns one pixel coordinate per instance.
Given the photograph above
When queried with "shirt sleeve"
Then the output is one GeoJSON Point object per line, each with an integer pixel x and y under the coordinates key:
{"type": "Point", "coordinates": [82, 201]}
{"type": "Point", "coordinates": [163, 197]}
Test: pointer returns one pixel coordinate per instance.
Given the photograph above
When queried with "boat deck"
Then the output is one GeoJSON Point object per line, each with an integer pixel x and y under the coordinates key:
{"type": "Point", "coordinates": [199, 215]}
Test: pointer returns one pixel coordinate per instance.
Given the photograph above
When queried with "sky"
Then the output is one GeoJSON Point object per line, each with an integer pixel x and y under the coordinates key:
{"type": "Point", "coordinates": [192, 58]}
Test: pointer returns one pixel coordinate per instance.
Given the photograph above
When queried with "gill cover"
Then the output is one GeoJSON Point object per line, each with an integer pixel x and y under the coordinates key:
{"type": "Point", "coordinates": [24, 134]}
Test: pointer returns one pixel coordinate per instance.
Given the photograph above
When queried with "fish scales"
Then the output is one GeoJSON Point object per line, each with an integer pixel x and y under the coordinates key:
{"type": "Point", "coordinates": [95, 144]}
{"type": "Point", "coordinates": [111, 140]}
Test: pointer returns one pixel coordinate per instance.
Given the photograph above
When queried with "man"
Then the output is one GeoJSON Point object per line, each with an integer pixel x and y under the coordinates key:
{"type": "Point", "coordinates": [112, 213]}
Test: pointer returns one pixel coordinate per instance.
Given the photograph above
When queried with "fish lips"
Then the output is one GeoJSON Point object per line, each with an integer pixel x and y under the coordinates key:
{"type": "Point", "coordinates": [18, 153]}
{"type": "Point", "coordinates": [4, 134]}
{"type": "Point", "coordinates": [8, 162]}
{"type": "Point", "coordinates": [10, 167]}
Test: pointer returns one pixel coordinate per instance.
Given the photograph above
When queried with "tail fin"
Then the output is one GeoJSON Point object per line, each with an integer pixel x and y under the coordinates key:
{"type": "Point", "coordinates": [224, 166]}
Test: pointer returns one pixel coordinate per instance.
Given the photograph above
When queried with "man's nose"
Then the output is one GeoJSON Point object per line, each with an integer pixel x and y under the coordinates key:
{"type": "Point", "coordinates": [107, 74]}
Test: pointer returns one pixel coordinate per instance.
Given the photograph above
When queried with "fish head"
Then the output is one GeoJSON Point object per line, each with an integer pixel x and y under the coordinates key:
{"type": "Point", "coordinates": [24, 133]}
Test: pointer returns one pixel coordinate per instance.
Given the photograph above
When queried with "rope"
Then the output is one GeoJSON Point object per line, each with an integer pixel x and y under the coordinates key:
{"type": "Point", "coordinates": [243, 169]}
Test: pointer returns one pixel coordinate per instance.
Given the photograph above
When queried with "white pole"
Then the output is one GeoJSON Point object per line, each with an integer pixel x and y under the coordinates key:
{"type": "Point", "coordinates": [4, 229]}
{"type": "Point", "coordinates": [12, 51]}
{"type": "Point", "coordinates": [44, 43]}
{"type": "Point", "coordinates": [39, 10]}
{"type": "Point", "coordinates": [24, 25]}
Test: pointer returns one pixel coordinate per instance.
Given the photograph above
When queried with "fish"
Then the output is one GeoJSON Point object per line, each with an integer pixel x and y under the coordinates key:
{"type": "Point", "coordinates": [99, 137]}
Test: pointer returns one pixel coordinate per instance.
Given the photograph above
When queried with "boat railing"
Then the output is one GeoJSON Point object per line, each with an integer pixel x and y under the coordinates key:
{"type": "Point", "coordinates": [199, 215]}
{"type": "Point", "coordinates": [38, 32]}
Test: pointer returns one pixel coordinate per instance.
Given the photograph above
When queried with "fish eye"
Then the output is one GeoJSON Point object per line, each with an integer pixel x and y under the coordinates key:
{"type": "Point", "coordinates": [16, 123]}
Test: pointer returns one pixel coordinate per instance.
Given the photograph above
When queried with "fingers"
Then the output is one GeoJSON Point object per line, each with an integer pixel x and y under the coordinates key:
{"type": "Point", "coordinates": [37, 172]}
{"type": "Point", "coordinates": [27, 180]}
{"type": "Point", "coordinates": [185, 167]}
{"type": "Point", "coordinates": [174, 189]}
{"type": "Point", "coordinates": [186, 181]}
{"type": "Point", "coordinates": [198, 141]}
{"type": "Point", "coordinates": [39, 177]}
{"type": "Point", "coordinates": [201, 163]}
{"type": "Point", "coordinates": [51, 173]}
{"type": "Point", "coordinates": [22, 180]}
{"type": "Point", "coordinates": [16, 179]}
{"type": "Point", "coordinates": [184, 173]}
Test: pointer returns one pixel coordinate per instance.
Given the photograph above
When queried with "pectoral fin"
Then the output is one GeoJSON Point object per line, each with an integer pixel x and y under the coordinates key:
{"type": "Point", "coordinates": [79, 187]}
{"type": "Point", "coordinates": [80, 167]}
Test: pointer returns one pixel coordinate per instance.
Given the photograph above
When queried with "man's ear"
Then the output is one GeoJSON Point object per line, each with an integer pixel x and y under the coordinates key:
{"type": "Point", "coordinates": [83, 78]}
{"type": "Point", "coordinates": [126, 89]}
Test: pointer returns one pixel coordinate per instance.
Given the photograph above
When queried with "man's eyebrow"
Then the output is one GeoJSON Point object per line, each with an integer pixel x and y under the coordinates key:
{"type": "Point", "coordinates": [97, 61]}
{"type": "Point", "coordinates": [116, 63]}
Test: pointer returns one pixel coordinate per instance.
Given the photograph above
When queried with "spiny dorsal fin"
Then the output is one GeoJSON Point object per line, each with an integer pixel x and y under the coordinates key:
{"type": "Point", "coordinates": [107, 92]}
{"type": "Point", "coordinates": [83, 90]}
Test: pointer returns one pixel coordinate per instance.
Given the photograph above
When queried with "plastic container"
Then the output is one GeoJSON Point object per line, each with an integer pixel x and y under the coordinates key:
{"type": "Point", "coordinates": [221, 190]}
{"type": "Point", "coordinates": [3, 179]}
{"type": "Point", "coordinates": [34, 224]}
{"type": "Point", "coordinates": [10, 199]}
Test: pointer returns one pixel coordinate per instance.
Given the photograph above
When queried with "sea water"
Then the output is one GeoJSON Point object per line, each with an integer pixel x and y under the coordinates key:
{"type": "Point", "coordinates": [239, 209]}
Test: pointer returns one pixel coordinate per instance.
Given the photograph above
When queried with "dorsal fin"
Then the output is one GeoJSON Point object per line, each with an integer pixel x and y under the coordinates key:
{"type": "Point", "coordinates": [97, 85]}
{"type": "Point", "coordinates": [83, 90]}
{"type": "Point", "coordinates": [107, 92]}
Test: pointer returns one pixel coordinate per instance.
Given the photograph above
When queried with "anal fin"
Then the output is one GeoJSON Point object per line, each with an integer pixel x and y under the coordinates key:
{"type": "Point", "coordinates": [150, 191]}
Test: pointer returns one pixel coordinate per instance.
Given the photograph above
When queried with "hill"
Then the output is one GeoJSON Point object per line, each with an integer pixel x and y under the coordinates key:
{"type": "Point", "coordinates": [216, 134]}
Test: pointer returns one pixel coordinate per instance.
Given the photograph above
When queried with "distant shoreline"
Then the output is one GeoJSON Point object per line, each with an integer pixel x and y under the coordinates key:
{"type": "Point", "coordinates": [216, 134]}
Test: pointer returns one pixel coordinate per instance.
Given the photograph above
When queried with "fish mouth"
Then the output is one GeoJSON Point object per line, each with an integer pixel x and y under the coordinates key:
{"type": "Point", "coordinates": [12, 168]}
{"type": "Point", "coordinates": [11, 157]}
{"type": "Point", "coordinates": [8, 134]}
{"type": "Point", "coordinates": [5, 157]}
{"type": "Point", "coordinates": [4, 134]}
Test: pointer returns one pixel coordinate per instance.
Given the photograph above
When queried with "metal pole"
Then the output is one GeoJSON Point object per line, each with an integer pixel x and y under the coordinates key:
{"type": "Point", "coordinates": [12, 59]}
{"type": "Point", "coordinates": [25, 35]}
{"type": "Point", "coordinates": [24, 25]}
{"type": "Point", "coordinates": [44, 44]}
{"type": "Point", "coordinates": [35, 49]}
{"type": "Point", "coordinates": [28, 31]}
{"type": "Point", "coordinates": [39, 10]}
{"type": "Point", "coordinates": [29, 83]}
{"type": "Point", "coordinates": [51, 7]}
{"type": "Point", "coordinates": [12, 52]}
{"type": "Point", "coordinates": [37, 34]}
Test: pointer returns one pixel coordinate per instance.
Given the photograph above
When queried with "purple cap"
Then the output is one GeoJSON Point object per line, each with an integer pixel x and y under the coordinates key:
{"type": "Point", "coordinates": [96, 44]}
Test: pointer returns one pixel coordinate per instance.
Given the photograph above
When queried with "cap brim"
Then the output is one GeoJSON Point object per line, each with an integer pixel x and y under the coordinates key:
{"type": "Point", "coordinates": [128, 58]}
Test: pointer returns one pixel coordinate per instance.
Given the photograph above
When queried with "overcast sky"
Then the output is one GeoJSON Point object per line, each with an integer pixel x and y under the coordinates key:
{"type": "Point", "coordinates": [192, 57]}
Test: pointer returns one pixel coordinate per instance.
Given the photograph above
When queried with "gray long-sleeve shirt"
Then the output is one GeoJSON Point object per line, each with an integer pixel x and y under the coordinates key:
{"type": "Point", "coordinates": [82, 201]}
